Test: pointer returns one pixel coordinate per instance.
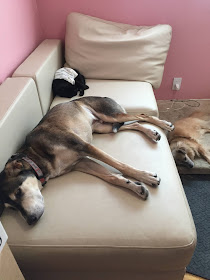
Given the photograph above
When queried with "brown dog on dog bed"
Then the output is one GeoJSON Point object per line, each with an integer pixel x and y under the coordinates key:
{"type": "Point", "coordinates": [185, 139]}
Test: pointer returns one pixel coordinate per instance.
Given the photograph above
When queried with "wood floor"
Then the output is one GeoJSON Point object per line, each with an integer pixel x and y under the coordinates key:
{"type": "Point", "coordinates": [192, 277]}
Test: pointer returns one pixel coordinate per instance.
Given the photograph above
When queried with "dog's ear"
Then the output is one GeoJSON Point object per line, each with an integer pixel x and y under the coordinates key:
{"type": "Point", "coordinates": [13, 168]}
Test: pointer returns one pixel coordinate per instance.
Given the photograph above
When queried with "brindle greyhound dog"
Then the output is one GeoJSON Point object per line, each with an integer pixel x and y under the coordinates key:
{"type": "Point", "coordinates": [61, 143]}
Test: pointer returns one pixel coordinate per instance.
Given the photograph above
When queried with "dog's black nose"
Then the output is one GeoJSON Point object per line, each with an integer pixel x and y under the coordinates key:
{"type": "Point", "coordinates": [32, 219]}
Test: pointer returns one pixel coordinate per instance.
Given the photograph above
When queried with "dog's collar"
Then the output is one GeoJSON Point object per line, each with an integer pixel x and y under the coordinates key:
{"type": "Point", "coordinates": [36, 168]}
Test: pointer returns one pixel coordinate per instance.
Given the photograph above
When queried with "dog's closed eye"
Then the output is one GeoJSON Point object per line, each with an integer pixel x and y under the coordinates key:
{"type": "Point", "coordinates": [181, 151]}
{"type": "Point", "coordinates": [18, 193]}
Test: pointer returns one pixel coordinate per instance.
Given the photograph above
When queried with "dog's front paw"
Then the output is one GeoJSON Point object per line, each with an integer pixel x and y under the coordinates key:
{"type": "Point", "coordinates": [150, 178]}
{"type": "Point", "coordinates": [141, 190]}
{"type": "Point", "coordinates": [154, 135]}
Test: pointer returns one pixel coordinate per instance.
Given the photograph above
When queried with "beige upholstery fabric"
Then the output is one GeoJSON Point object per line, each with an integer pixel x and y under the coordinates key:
{"type": "Point", "coordinates": [108, 50]}
{"type": "Point", "coordinates": [41, 66]}
{"type": "Point", "coordinates": [97, 274]}
{"type": "Point", "coordinates": [18, 100]}
{"type": "Point", "coordinates": [92, 226]}
{"type": "Point", "coordinates": [135, 97]}
{"type": "Point", "coordinates": [90, 229]}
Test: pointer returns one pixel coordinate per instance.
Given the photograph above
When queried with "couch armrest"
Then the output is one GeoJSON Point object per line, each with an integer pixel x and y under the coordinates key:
{"type": "Point", "coordinates": [41, 65]}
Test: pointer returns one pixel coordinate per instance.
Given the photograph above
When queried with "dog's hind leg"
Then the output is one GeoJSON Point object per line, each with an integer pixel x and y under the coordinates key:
{"type": "Point", "coordinates": [124, 117]}
{"type": "Point", "coordinates": [89, 166]}
{"type": "Point", "coordinates": [109, 111]}
{"type": "Point", "coordinates": [150, 119]}
{"type": "Point", "coordinates": [142, 176]}
{"type": "Point", "coordinates": [107, 128]}
{"type": "Point", "coordinates": [151, 133]}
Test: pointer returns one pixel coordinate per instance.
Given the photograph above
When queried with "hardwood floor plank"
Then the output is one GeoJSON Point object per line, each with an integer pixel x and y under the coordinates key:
{"type": "Point", "coordinates": [192, 277]}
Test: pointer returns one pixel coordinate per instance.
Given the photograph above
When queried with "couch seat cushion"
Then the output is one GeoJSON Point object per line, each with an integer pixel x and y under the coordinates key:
{"type": "Point", "coordinates": [134, 96]}
{"type": "Point", "coordinates": [90, 225]}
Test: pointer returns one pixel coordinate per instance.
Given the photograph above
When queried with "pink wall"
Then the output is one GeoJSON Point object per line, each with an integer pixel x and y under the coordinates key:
{"type": "Point", "coordinates": [23, 27]}
{"type": "Point", "coordinates": [190, 19]}
{"type": "Point", "coordinates": [20, 33]}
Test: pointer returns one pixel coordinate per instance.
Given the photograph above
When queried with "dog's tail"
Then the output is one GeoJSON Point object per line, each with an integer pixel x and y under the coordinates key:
{"type": "Point", "coordinates": [116, 127]}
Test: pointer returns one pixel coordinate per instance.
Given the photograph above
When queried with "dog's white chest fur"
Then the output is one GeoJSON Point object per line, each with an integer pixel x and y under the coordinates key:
{"type": "Point", "coordinates": [64, 161]}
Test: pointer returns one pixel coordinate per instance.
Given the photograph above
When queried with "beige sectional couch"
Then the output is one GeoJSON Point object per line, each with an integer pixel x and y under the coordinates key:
{"type": "Point", "coordinates": [91, 229]}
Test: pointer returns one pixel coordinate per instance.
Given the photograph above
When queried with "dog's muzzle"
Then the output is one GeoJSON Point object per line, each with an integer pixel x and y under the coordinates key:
{"type": "Point", "coordinates": [32, 219]}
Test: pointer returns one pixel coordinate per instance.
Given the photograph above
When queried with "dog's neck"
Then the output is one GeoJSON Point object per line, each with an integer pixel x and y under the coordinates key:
{"type": "Point", "coordinates": [180, 138]}
{"type": "Point", "coordinates": [29, 164]}
{"type": "Point", "coordinates": [37, 170]}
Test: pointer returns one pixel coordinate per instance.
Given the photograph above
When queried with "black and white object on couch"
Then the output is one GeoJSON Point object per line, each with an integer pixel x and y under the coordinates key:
{"type": "Point", "coordinates": [68, 82]}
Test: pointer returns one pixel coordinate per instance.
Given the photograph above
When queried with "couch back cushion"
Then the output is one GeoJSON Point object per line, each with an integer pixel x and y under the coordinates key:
{"type": "Point", "coordinates": [20, 111]}
{"type": "Point", "coordinates": [41, 66]}
{"type": "Point", "coordinates": [102, 49]}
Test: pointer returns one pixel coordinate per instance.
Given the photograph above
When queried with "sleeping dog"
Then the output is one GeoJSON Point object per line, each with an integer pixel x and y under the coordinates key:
{"type": "Point", "coordinates": [61, 143]}
{"type": "Point", "coordinates": [185, 139]}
